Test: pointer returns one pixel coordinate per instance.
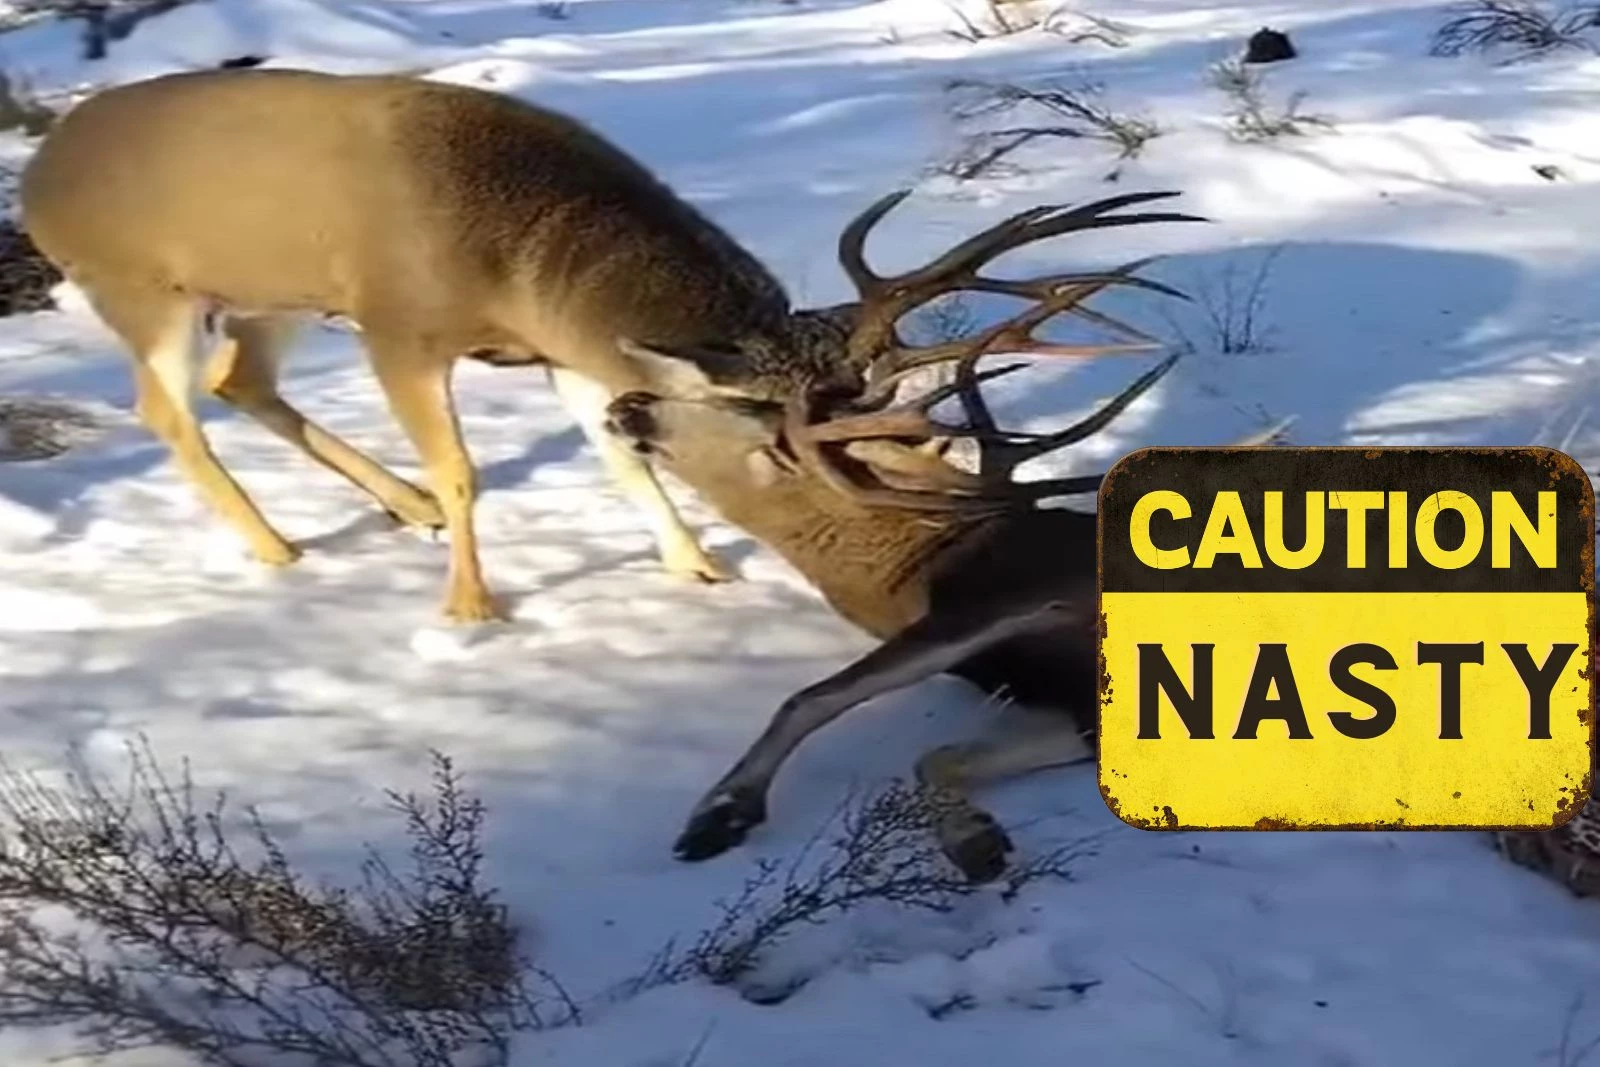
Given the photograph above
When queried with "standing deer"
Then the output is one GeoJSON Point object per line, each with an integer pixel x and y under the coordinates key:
{"type": "Point", "coordinates": [953, 571]}
{"type": "Point", "coordinates": [445, 222]}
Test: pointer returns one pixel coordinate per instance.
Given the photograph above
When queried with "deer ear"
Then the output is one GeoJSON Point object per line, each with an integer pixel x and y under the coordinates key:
{"type": "Point", "coordinates": [689, 370]}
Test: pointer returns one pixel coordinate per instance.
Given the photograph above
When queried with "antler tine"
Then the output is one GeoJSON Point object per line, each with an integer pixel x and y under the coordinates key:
{"type": "Point", "coordinates": [1269, 436]}
{"type": "Point", "coordinates": [1090, 483]}
{"type": "Point", "coordinates": [853, 240]}
{"type": "Point", "coordinates": [1000, 458]}
{"type": "Point", "coordinates": [1034, 491]}
{"type": "Point", "coordinates": [810, 455]}
{"type": "Point", "coordinates": [976, 409]}
{"type": "Point", "coordinates": [904, 420]}
{"type": "Point", "coordinates": [912, 469]}
{"type": "Point", "coordinates": [885, 299]}
{"type": "Point", "coordinates": [1038, 287]}
{"type": "Point", "coordinates": [1036, 224]}
{"type": "Point", "coordinates": [1015, 334]}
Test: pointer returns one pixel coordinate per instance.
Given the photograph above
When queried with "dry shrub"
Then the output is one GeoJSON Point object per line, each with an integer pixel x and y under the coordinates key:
{"type": "Point", "coordinates": [1485, 25]}
{"type": "Point", "coordinates": [26, 276]}
{"type": "Point", "coordinates": [1054, 111]}
{"type": "Point", "coordinates": [34, 429]}
{"type": "Point", "coordinates": [1250, 116]}
{"type": "Point", "coordinates": [103, 21]}
{"type": "Point", "coordinates": [880, 849]}
{"type": "Point", "coordinates": [139, 916]}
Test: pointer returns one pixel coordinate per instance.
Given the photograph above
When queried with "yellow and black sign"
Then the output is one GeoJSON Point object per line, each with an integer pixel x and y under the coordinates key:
{"type": "Point", "coordinates": [1346, 638]}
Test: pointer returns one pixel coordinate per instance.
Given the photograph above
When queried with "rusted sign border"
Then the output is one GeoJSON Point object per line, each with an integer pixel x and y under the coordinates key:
{"type": "Point", "coordinates": [1554, 459]}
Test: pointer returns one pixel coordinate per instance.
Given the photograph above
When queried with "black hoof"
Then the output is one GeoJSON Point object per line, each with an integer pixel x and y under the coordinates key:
{"type": "Point", "coordinates": [977, 846]}
{"type": "Point", "coordinates": [722, 823]}
{"type": "Point", "coordinates": [400, 522]}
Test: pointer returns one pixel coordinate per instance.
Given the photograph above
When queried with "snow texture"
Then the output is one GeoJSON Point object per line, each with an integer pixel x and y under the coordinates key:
{"type": "Point", "coordinates": [1430, 285]}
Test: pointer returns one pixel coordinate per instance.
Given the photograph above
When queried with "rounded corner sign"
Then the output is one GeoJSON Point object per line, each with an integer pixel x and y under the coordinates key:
{"type": "Point", "coordinates": [1346, 638]}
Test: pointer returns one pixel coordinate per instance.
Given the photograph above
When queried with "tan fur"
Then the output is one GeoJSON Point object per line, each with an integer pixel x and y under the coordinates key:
{"type": "Point", "coordinates": [443, 220]}
{"type": "Point", "coordinates": [243, 371]}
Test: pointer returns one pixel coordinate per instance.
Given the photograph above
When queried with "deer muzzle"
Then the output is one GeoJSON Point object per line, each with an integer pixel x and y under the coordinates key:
{"type": "Point", "coordinates": [632, 418]}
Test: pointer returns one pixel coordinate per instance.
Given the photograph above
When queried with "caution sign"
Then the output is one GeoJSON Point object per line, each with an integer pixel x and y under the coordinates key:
{"type": "Point", "coordinates": [1346, 638]}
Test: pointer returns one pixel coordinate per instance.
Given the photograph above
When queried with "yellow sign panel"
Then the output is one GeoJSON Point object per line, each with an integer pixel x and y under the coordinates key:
{"type": "Point", "coordinates": [1346, 638]}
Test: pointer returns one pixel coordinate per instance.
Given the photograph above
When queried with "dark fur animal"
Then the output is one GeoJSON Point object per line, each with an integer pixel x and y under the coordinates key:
{"type": "Point", "coordinates": [1268, 46]}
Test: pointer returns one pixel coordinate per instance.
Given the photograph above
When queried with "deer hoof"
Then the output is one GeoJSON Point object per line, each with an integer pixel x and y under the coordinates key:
{"type": "Point", "coordinates": [276, 553]}
{"type": "Point", "coordinates": [723, 822]}
{"type": "Point", "coordinates": [708, 571]}
{"type": "Point", "coordinates": [420, 510]}
{"type": "Point", "coordinates": [692, 563]}
{"type": "Point", "coordinates": [475, 606]}
{"type": "Point", "coordinates": [976, 844]}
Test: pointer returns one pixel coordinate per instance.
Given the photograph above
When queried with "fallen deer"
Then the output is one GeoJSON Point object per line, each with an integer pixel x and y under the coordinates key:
{"type": "Point", "coordinates": [444, 221]}
{"type": "Point", "coordinates": [954, 571]}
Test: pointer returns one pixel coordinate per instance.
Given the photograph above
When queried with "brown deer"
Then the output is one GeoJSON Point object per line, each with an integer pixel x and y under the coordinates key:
{"type": "Point", "coordinates": [444, 222]}
{"type": "Point", "coordinates": [954, 571]}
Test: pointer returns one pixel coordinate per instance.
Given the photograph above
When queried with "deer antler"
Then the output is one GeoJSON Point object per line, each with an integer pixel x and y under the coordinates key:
{"type": "Point", "coordinates": [909, 477]}
{"type": "Point", "coordinates": [884, 454]}
{"type": "Point", "coordinates": [875, 341]}
{"type": "Point", "coordinates": [1000, 456]}
{"type": "Point", "coordinates": [877, 452]}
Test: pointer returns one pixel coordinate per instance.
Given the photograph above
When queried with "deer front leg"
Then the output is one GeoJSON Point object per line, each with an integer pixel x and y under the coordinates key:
{"type": "Point", "coordinates": [932, 644]}
{"type": "Point", "coordinates": [681, 552]}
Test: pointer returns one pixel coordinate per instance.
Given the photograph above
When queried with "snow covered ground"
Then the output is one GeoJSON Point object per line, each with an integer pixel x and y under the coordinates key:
{"type": "Point", "coordinates": [1430, 285]}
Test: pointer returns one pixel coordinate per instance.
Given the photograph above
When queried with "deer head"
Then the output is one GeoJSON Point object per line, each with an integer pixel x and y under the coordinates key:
{"type": "Point", "coordinates": [846, 430]}
{"type": "Point", "coordinates": [857, 346]}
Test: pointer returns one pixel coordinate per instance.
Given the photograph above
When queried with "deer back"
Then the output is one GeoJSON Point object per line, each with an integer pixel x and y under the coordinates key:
{"type": "Point", "coordinates": [396, 201]}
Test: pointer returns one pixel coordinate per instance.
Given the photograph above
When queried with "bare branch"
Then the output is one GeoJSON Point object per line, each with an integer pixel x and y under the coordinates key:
{"type": "Point", "coordinates": [192, 933]}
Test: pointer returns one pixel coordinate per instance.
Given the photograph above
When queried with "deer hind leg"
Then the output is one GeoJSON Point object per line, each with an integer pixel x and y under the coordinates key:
{"type": "Point", "coordinates": [160, 329]}
{"type": "Point", "coordinates": [929, 646]}
{"type": "Point", "coordinates": [416, 382]}
{"type": "Point", "coordinates": [680, 551]}
{"type": "Point", "coordinates": [969, 836]}
{"type": "Point", "coordinates": [243, 371]}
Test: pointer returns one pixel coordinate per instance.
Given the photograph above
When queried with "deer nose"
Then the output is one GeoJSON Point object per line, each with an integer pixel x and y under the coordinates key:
{"type": "Point", "coordinates": [631, 415]}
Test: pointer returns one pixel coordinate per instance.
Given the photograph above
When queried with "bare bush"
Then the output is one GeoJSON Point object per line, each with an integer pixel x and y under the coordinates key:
{"type": "Point", "coordinates": [1080, 26]}
{"type": "Point", "coordinates": [21, 110]}
{"type": "Point", "coordinates": [1053, 111]}
{"type": "Point", "coordinates": [1250, 116]}
{"type": "Point", "coordinates": [130, 916]}
{"type": "Point", "coordinates": [1485, 25]}
{"type": "Point", "coordinates": [945, 318]}
{"type": "Point", "coordinates": [1000, 18]}
{"type": "Point", "coordinates": [1571, 1051]}
{"type": "Point", "coordinates": [27, 278]}
{"type": "Point", "coordinates": [35, 429]}
{"type": "Point", "coordinates": [884, 849]}
{"type": "Point", "coordinates": [103, 21]}
{"type": "Point", "coordinates": [1232, 305]}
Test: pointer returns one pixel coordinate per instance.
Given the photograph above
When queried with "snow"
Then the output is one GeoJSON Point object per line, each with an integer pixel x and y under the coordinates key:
{"type": "Point", "coordinates": [1429, 286]}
